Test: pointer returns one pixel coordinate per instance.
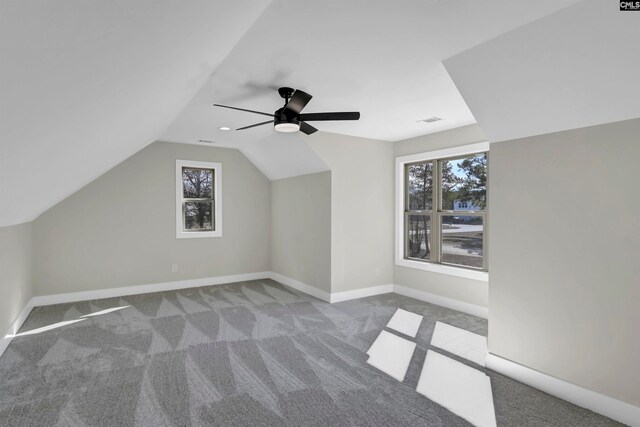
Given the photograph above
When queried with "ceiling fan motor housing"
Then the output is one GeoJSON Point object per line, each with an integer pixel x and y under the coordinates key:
{"type": "Point", "coordinates": [281, 117]}
{"type": "Point", "coordinates": [283, 123]}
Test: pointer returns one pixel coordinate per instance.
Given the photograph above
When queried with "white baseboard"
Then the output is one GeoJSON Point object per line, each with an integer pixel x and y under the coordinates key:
{"type": "Point", "coordinates": [145, 289]}
{"type": "Point", "coordinates": [608, 406]}
{"type": "Point", "coordinates": [15, 326]}
{"type": "Point", "coordinates": [122, 291]}
{"type": "Point", "coordinates": [454, 304]}
{"type": "Point", "coordinates": [361, 293]}
{"type": "Point", "coordinates": [219, 280]}
{"type": "Point", "coordinates": [182, 284]}
{"type": "Point", "coordinates": [605, 405]}
{"type": "Point", "coordinates": [300, 286]}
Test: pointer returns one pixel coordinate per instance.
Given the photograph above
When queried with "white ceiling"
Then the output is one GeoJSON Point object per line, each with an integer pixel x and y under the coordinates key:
{"type": "Point", "coordinates": [366, 55]}
{"type": "Point", "coordinates": [84, 84]}
{"type": "Point", "coordinates": [576, 68]}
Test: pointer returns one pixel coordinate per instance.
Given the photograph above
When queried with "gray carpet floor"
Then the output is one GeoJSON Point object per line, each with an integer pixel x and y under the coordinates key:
{"type": "Point", "coordinates": [252, 354]}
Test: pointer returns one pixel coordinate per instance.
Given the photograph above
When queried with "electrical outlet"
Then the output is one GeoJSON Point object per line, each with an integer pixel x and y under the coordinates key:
{"type": "Point", "coordinates": [174, 268]}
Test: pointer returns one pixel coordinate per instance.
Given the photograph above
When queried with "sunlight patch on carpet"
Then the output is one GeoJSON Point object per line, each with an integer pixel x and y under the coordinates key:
{"type": "Point", "coordinates": [46, 328]}
{"type": "Point", "coordinates": [405, 322]}
{"type": "Point", "coordinates": [108, 310]}
{"type": "Point", "coordinates": [463, 390]}
{"type": "Point", "coordinates": [391, 354]}
{"type": "Point", "coordinates": [460, 342]}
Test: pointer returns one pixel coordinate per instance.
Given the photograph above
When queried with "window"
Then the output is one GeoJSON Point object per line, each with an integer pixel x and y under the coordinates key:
{"type": "Point", "coordinates": [198, 199]}
{"type": "Point", "coordinates": [442, 210]}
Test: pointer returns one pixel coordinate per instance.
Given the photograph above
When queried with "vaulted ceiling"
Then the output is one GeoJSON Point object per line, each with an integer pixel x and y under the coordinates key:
{"type": "Point", "coordinates": [86, 83]}
{"type": "Point", "coordinates": [374, 56]}
{"type": "Point", "coordinates": [576, 68]}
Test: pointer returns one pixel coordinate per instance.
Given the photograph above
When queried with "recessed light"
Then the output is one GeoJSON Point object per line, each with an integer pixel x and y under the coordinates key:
{"type": "Point", "coordinates": [430, 120]}
{"type": "Point", "coordinates": [225, 128]}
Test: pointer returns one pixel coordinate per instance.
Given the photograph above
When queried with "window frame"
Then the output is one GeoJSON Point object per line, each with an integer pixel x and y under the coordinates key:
{"type": "Point", "coordinates": [216, 211]}
{"type": "Point", "coordinates": [436, 213]}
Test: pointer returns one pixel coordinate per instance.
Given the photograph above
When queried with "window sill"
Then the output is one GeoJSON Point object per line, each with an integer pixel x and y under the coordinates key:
{"type": "Point", "coordinates": [198, 234]}
{"type": "Point", "coordinates": [481, 276]}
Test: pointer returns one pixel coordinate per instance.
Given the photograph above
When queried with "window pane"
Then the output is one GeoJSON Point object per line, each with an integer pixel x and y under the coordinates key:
{"type": "Point", "coordinates": [197, 183]}
{"type": "Point", "coordinates": [464, 183]}
{"type": "Point", "coordinates": [418, 233]}
{"type": "Point", "coordinates": [462, 240]}
{"type": "Point", "coordinates": [419, 181]}
{"type": "Point", "coordinates": [198, 216]}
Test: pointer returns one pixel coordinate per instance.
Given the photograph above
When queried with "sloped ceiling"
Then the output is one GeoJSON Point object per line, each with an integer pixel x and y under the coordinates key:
{"type": "Point", "coordinates": [86, 83]}
{"type": "Point", "coordinates": [576, 68]}
{"type": "Point", "coordinates": [379, 57]}
{"type": "Point", "coordinates": [374, 56]}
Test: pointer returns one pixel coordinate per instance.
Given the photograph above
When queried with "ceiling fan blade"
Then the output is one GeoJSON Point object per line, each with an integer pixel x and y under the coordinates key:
{"type": "Point", "coordinates": [243, 109]}
{"type": "Point", "coordinates": [296, 103]}
{"type": "Point", "coordinates": [307, 128]}
{"type": "Point", "coordinates": [257, 124]}
{"type": "Point", "coordinates": [310, 117]}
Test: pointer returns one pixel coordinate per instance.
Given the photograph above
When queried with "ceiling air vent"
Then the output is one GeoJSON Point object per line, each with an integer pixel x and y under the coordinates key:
{"type": "Point", "coordinates": [205, 141]}
{"type": "Point", "coordinates": [430, 120]}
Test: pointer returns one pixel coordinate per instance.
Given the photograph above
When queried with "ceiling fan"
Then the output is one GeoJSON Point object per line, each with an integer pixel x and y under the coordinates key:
{"type": "Point", "coordinates": [289, 118]}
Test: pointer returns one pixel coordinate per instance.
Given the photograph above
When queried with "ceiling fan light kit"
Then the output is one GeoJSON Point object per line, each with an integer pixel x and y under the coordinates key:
{"type": "Point", "coordinates": [287, 127]}
{"type": "Point", "coordinates": [289, 119]}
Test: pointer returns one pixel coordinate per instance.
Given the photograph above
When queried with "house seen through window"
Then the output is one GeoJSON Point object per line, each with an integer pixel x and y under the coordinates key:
{"type": "Point", "coordinates": [445, 211]}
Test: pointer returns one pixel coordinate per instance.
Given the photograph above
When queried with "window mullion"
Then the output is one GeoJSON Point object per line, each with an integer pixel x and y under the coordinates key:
{"type": "Point", "coordinates": [197, 199]}
{"type": "Point", "coordinates": [183, 220]}
{"type": "Point", "coordinates": [406, 188]}
{"type": "Point", "coordinates": [406, 234]}
{"type": "Point", "coordinates": [435, 217]}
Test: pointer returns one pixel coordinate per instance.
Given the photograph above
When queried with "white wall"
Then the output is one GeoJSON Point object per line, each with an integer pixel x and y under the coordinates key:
{"type": "Point", "coordinates": [361, 209]}
{"type": "Point", "coordinates": [564, 256]}
{"type": "Point", "coordinates": [120, 229]}
{"type": "Point", "coordinates": [16, 265]}
{"type": "Point", "coordinates": [459, 288]}
{"type": "Point", "coordinates": [301, 229]}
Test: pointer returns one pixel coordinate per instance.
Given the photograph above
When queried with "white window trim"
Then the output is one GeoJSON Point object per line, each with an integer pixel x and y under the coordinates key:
{"type": "Point", "coordinates": [430, 155]}
{"type": "Point", "coordinates": [217, 195]}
